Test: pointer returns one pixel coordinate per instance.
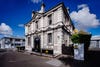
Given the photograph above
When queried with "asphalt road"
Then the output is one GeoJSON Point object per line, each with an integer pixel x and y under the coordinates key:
{"type": "Point", "coordinates": [17, 59]}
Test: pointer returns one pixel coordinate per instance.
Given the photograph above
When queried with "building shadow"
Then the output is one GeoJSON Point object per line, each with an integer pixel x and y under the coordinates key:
{"type": "Point", "coordinates": [72, 62]}
{"type": "Point", "coordinates": [93, 60]}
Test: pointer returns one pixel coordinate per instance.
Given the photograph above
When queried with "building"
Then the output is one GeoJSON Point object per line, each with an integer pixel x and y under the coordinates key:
{"type": "Point", "coordinates": [11, 42]}
{"type": "Point", "coordinates": [48, 31]}
{"type": "Point", "coordinates": [95, 42]}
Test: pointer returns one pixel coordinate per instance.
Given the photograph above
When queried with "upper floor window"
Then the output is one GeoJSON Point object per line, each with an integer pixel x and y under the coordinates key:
{"type": "Point", "coordinates": [49, 37]}
{"type": "Point", "coordinates": [29, 27]}
{"type": "Point", "coordinates": [36, 24]}
{"type": "Point", "coordinates": [11, 39]}
{"type": "Point", "coordinates": [17, 39]}
{"type": "Point", "coordinates": [23, 40]}
{"type": "Point", "coordinates": [50, 19]}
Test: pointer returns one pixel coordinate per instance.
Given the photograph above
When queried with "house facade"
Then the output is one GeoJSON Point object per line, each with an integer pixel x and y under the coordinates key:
{"type": "Point", "coordinates": [48, 31]}
{"type": "Point", "coordinates": [95, 42]}
{"type": "Point", "coordinates": [11, 42]}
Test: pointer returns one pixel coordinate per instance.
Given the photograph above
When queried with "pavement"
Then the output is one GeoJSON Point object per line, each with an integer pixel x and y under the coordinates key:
{"type": "Point", "coordinates": [21, 59]}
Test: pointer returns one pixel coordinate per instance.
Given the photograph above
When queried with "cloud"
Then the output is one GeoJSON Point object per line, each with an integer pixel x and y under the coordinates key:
{"type": "Point", "coordinates": [21, 25]}
{"type": "Point", "coordinates": [82, 6]}
{"type": "Point", "coordinates": [83, 18]}
{"type": "Point", "coordinates": [5, 29]}
{"type": "Point", "coordinates": [36, 1]}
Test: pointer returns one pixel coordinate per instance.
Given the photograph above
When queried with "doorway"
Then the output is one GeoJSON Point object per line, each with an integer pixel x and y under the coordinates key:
{"type": "Point", "coordinates": [37, 47]}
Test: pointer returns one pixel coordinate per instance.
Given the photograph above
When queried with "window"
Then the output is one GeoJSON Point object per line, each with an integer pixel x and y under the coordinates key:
{"type": "Point", "coordinates": [17, 39]}
{"type": "Point", "coordinates": [29, 41]}
{"type": "Point", "coordinates": [49, 37]}
{"type": "Point", "coordinates": [50, 19]}
{"type": "Point", "coordinates": [29, 28]}
{"type": "Point", "coordinates": [36, 24]}
{"type": "Point", "coordinates": [23, 40]}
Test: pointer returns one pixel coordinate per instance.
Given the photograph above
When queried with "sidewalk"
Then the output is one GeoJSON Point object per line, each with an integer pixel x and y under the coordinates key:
{"type": "Point", "coordinates": [68, 61]}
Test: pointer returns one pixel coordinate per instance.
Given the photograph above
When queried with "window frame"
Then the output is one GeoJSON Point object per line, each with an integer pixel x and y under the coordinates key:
{"type": "Point", "coordinates": [29, 41]}
{"type": "Point", "coordinates": [50, 19]}
{"type": "Point", "coordinates": [37, 26]}
{"type": "Point", "coordinates": [49, 38]}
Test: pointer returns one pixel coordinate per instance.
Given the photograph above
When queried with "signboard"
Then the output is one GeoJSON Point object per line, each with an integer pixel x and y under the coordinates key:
{"type": "Point", "coordinates": [79, 51]}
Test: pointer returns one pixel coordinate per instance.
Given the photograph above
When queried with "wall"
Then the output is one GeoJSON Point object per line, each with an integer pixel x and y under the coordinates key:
{"type": "Point", "coordinates": [58, 36]}
{"type": "Point", "coordinates": [58, 42]}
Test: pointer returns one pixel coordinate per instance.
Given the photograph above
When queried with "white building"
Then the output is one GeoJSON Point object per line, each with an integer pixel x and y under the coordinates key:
{"type": "Point", "coordinates": [11, 42]}
{"type": "Point", "coordinates": [48, 31]}
{"type": "Point", "coordinates": [95, 42]}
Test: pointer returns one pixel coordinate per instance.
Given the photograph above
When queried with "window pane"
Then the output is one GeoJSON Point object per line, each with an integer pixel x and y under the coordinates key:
{"type": "Point", "coordinates": [50, 19]}
{"type": "Point", "coordinates": [50, 38]}
{"type": "Point", "coordinates": [36, 24]}
{"type": "Point", "coordinates": [29, 41]}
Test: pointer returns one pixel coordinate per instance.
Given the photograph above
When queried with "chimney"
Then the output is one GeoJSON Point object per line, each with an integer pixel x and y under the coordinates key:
{"type": "Point", "coordinates": [33, 13]}
{"type": "Point", "coordinates": [42, 8]}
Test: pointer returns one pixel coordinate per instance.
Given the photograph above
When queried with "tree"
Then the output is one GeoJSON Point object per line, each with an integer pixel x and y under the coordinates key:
{"type": "Point", "coordinates": [82, 37]}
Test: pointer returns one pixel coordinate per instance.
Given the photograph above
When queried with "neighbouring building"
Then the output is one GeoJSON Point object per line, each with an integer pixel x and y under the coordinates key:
{"type": "Point", "coordinates": [48, 30]}
{"type": "Point", "coordinates": [11, 42]}
{"type": "Point", "coordinates": [95, 42]}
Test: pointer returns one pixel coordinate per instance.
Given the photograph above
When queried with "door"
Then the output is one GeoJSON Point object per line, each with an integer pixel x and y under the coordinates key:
{"type": "Point", "coordinates": [37, 44]}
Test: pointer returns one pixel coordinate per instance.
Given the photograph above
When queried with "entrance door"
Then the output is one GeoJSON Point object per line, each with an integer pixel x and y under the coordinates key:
{"type": "Point", "coordinates": [37, 44]}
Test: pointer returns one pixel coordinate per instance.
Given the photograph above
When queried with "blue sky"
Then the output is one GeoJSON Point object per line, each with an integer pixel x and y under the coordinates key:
{"type": "Point", "coordinates": [15, 13]}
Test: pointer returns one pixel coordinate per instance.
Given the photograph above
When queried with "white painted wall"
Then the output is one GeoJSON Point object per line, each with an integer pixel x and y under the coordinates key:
{"type": "Point", "coordinates": [4, 43]}
{"type": "Point", "coordinates": [57, 19]}
{"type": "Point", "coordinates": [58, 45]}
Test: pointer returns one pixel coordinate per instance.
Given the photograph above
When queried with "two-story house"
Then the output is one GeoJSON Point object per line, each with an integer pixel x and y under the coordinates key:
{"type": "Point", "coordinates": [48, 30]}
{"type": "Point", "coordinates": [11, 42]}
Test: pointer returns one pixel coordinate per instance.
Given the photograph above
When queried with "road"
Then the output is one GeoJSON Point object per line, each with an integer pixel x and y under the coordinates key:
{"type": "Point", "coordinates": [17, 59]}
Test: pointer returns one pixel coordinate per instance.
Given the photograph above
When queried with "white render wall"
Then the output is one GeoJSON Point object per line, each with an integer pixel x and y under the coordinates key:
{"type": "Point", "coordinates": [2, 44]}
{"type": "Point", "coordinates": [27, 46]}
{"type": "Point", "coordinates": [5, 43]}
{"type": "Point", "coordinates": [58, 18]}
{"type": "Point", "coordinates": [58, 42]}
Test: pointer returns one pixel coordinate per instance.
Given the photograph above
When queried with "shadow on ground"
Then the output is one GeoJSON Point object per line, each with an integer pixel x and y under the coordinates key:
{"type": "Point", "coordinates": [93, 60]}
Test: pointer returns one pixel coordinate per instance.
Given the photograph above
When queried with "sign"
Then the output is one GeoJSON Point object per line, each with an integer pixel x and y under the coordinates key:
{"type": "Point", "coordinates": [79, 51]}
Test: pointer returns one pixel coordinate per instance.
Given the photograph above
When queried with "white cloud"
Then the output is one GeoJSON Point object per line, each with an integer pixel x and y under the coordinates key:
{"type": "Point", "coordinates": [5, 29]}
{"type": "Point", "coordinates": [83, 18]}
{"type": "Point", "coordinates": [82, 6]}
{"type": "Point", "coordinates": [36, 1]}
{"type": "Point", "coordinates": [21, 25]}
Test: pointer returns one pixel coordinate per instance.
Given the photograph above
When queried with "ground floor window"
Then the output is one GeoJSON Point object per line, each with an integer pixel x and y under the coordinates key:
{"type": "Point", "coordinates": [29, 40]}
{"type": "Point", "coordinates": [49, 37]}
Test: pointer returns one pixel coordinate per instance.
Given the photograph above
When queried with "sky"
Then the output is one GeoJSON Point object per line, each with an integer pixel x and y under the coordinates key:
{"type": "Point", "coordinates": [85, 14]}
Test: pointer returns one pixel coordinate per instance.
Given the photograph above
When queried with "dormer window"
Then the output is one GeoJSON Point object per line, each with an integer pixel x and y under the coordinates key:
{"type": "Point", "coordinates": [50, 19]}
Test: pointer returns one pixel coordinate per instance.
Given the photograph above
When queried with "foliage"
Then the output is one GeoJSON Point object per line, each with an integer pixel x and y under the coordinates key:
{"type": "Point", "coordinates": [83, 32]}
{"type": "Point", "coordinates": [81, 37]}
{"type": "Point", "coordinates": [75, 38]}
